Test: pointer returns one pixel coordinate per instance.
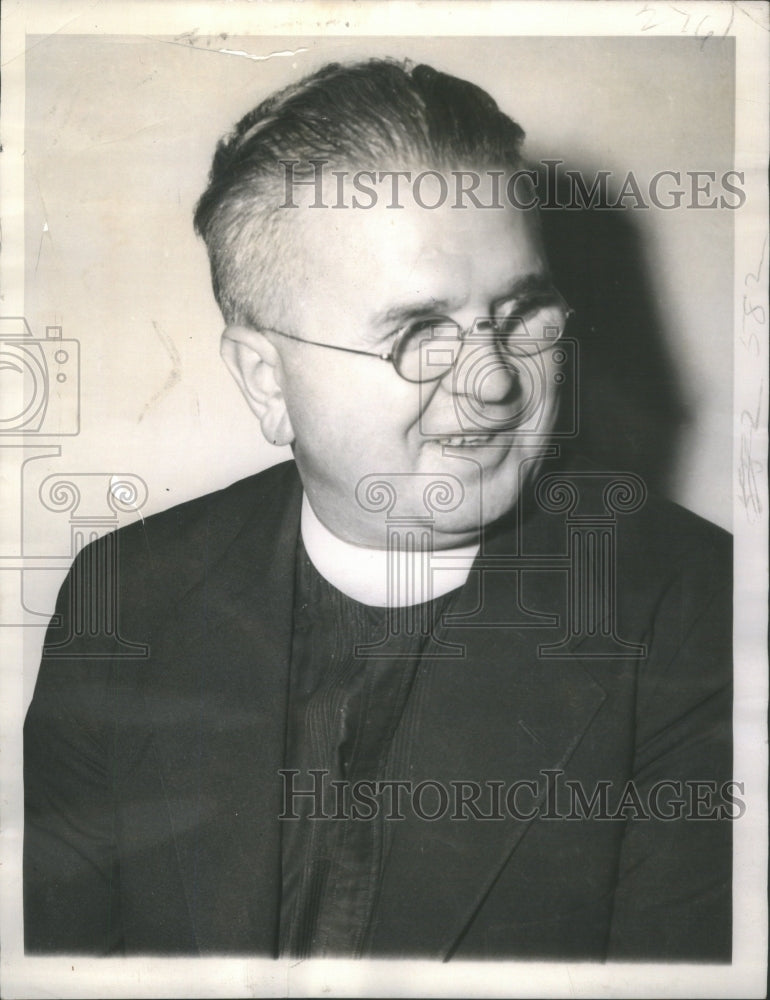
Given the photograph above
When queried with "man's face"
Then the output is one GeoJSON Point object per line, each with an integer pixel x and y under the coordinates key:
{"type": "Point", "coordinates": [362, 277]}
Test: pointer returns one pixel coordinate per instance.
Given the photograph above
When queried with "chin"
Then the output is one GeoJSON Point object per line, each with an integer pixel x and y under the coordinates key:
{"type": "Point", "coordinates": [462, 526]}
{"type": "Point", "coordinates": [490, 483]}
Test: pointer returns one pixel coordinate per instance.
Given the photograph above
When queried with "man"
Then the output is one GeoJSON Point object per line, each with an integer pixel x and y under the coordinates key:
{"type": "Point", "coordinates": [423, 691]}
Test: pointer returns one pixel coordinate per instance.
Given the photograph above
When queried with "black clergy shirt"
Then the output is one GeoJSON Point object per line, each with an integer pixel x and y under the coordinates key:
{"type": "Point", "coordinates": [352, 669]}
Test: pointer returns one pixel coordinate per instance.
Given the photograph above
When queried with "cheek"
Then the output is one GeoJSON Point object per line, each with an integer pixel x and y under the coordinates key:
{"type": "Point", "coordinates": [310, 386]}
{"type": "Point", "coordinates": [349, 402]}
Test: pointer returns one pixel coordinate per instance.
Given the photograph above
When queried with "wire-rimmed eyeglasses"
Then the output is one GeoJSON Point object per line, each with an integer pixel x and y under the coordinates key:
{"type": "Point", "coordinates": [428, 348]}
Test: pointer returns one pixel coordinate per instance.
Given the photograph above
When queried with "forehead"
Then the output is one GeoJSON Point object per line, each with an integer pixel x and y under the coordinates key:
{"type": "Point", "coordinates": [369, 258]}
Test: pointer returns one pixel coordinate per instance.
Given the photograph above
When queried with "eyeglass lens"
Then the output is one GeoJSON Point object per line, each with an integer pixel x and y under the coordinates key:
{"type": "Point", "coordinates": [430, 349]}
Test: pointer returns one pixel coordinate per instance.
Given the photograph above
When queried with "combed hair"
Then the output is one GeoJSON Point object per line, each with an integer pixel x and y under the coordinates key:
{"type": "Point", "coordinates": [357, 115]}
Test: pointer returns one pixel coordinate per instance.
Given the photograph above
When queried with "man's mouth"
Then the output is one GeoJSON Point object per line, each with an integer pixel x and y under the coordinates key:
{"type": "Point", "coordinates": [465, 440]}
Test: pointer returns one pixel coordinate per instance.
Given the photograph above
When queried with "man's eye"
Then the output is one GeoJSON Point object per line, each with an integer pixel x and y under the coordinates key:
{"type": "Point", "coordinates": [511, 322]}
{"type": "Point", "coordinates": [526, 317]}
{"type": "Point", "coordinates": [514, 316]}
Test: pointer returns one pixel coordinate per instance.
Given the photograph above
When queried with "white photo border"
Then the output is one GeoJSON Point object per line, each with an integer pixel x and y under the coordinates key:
{"type": "Point", "coordinates": [748, 23]}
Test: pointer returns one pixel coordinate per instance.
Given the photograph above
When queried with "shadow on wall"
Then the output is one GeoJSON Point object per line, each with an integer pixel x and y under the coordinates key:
{"type": "Point", "coordinates": [632, 405]}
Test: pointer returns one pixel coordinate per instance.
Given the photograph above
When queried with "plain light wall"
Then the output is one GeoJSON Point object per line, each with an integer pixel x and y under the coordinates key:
{"type": "Point", "coordinates": [119, 137]}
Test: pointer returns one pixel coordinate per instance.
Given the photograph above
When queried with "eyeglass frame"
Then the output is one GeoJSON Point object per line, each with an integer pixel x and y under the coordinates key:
{"type": "Point", "coordinates": [390, 355]}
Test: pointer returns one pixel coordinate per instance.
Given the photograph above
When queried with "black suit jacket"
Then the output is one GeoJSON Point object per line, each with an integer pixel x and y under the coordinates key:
{"type": "Point", "coordinates": [152, 770]}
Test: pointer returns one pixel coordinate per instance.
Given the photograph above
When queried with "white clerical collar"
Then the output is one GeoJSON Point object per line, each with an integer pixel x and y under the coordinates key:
{"type": "Point", "coordinates": [363, 573]}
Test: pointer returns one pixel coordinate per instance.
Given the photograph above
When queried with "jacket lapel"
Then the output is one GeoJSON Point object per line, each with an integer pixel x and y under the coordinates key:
{"type": "Point", "coordinates": [496, 713]}
{"type": "Point", "coordinates": [216, 694]}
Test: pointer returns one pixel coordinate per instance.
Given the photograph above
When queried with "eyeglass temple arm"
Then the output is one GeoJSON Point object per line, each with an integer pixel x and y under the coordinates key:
{"type": "Point", "coordinates": [383, 356]}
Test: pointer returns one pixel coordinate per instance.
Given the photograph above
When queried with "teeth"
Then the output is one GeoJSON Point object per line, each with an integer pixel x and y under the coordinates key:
{"type": "Point", "coordinates": [463, 441]}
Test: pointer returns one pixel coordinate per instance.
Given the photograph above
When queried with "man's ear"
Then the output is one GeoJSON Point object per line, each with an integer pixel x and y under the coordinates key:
{"type": "Point", "coordinates": [254, 363]}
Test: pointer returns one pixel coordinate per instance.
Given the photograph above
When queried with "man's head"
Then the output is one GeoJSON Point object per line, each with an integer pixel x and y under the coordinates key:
{"type": "Point", "coordinates": [350, 259]}
{"type": "Point", "coordinates": [368, 115]}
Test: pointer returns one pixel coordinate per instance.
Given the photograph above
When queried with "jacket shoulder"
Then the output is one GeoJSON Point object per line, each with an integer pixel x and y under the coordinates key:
{"type": "Point", "coordinates": [163, 555]}
{"type": "Point", "coordinates": [672, 535]}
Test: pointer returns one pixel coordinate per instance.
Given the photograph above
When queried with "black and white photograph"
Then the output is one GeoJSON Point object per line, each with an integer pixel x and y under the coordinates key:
{"type": "Point", "coordinates": [384, 441]}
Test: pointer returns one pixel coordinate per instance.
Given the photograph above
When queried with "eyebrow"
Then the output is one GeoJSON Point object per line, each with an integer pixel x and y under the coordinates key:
{"type": "Point", "coordinates": [527, 284]}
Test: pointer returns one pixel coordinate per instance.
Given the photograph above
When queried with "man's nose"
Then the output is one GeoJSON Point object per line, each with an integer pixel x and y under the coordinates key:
{"type": "Point", "coordinates": [481, 371]}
